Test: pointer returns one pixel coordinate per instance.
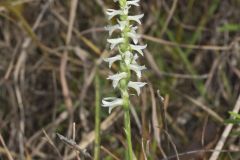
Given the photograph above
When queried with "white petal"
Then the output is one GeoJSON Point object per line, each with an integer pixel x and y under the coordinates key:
{"type": "Point", "coordinates": [112, 13]}
{"type": "Point", "coordinates": [136, 86]}
{"type": "Point", "coordinates": [133, 2]}
{"type": "Point", "coordinates": [111, 29]}
{"type": "Point", "coordinates": [138, 48]}
{"type": "Point", "coordinates": [129, 58]}
{"type": "Point", "coordinates": [112, 102]}
{"type": "Point", "coordinates": [116, 78]}
{"type": "Point", "coordinates": [134, 36]}
{"type": "Point", "coordinates": [136, 18]}
{"type": "Point", "coordinates": [115, 41]}
{"type": "Point", "coordinates": [137, 69]}
{"type": "Point", "coordinates": [111, 60]}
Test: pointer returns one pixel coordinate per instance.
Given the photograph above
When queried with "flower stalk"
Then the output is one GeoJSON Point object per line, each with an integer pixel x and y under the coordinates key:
{"type": "Point", "coordinates": [97, 119]}
{"type": "Point", "coordinates": [128, 48]}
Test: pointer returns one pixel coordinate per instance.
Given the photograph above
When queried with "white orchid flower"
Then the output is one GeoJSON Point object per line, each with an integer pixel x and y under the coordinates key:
{"type": "Point", "coordinates": [111, 102]}
{"type": "Point", "coordinates": [111, 60]}
{"type": "Point", "coordinates": [133, 2]}
{"type": "Point", "coordinates": [138, 48]}
{"type": "Point", "coordinates": [115, 41]}
{"type": "Point", "coordinates": [137, 69]}
{"type": "Point", "coordinates": [136, 18]}
{"type": "Point", "coordinates": [132, 34]}
{"type": "Point", "coordinates": [137, 86]}
{"type": "Point", "coordinates": [112, 13]}
{"type": "Point", "coordinates": [111, 29]}
{"type": "Point", "coordinates": [116, 78]}
{"type": "Point", "coordinates": [130, 2]}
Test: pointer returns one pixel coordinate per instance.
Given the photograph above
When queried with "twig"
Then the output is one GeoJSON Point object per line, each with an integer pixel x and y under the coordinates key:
{"type": "Point", "coordinates": [20, 67]}
{"type": "Point", "coordinates": [155, 123]}
{"type": "Point", "coordinates": [108, 152]}
{"type": "Point", "coordinates": [5, 147]}
{"type": "Point", "coordinates": [174, 44]}
{"type": "Point", "coordinates": [51, 143]}
{"type": "Point", "coordinates": [63, 66]}
{"type": "Point", "coordinates": [174, 5]}
{"type": "Point", "coordinates": [74, 145]}
{"type": "Point", "coordinates": [197, 151]}
{"type": "Point", "coordinates": [159, 73]}
{"type": "Point", "coordinates": [109, 121]}
{"type": "Point", "coordinates": [143, 150]}
{"type": "Point", "coordinates": [173, 145]}
{"type": "Point", "coordinates": [205, 108]}
{"type": "Point", "coordinates": [225, 133]}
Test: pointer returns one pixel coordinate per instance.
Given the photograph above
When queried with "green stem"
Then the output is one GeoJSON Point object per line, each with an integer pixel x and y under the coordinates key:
{"type": "Point", "coordinates": [127, 125]}
{"type": "Point", "coordinates": [124, 83]}
{"type": "Point", "coordinates": [127, 122]}
{"type": "Point", "coordinates": [97, 119]}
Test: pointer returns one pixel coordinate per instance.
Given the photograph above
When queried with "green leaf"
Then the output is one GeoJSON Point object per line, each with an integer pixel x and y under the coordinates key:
{"type": "Point", "coordinates": [235, 115]}
{"type": "Point", "coordinates": [229, 27]}
{"type": "Point", "coordinates": [233, 121]}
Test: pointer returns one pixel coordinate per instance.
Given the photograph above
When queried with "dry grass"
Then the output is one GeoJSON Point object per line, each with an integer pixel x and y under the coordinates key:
{"type": "Point", "coordinates": [49, 54]}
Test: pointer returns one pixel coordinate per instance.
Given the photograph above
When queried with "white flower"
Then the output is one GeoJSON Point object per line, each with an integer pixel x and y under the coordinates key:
{"type": "Point", "coordinates": [132, 34]}
{"type": "Point", "coordinates": [112, 13]}
{"type": "Point", "coordinates": [135, 18]}
{"type": "Point", "coordinates": [112, 102]}
{"type": "Point", "coordinates": [111, 29]}
{"type": "Point", "coordinates": [137, 69]}
{"type": "Point", "coordinates": [129, 58]}
{"type": "Point", "coordinates": [116, 78]}
{"type": "Point", "coordinates": [136, 86]}
{"type": "Point", "coordinates": [132, 2]}
{"type": "Point", "coordinates": [115, 41]}
{"type": "Point", "coordinates": [138, 48]}
{"type": "Point", "coordinates": [111, 60]}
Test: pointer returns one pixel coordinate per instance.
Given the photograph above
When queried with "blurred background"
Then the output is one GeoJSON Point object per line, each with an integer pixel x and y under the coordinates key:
{"type": "Point", "coordinates": [52, 50]}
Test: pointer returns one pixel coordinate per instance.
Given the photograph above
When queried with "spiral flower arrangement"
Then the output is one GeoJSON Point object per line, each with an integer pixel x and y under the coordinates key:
{"type": "Point", "coordinates": [129, 51]}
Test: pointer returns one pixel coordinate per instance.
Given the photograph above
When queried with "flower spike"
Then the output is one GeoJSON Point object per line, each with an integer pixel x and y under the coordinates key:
{"type": "Point", "coordinates": [128, 55]}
